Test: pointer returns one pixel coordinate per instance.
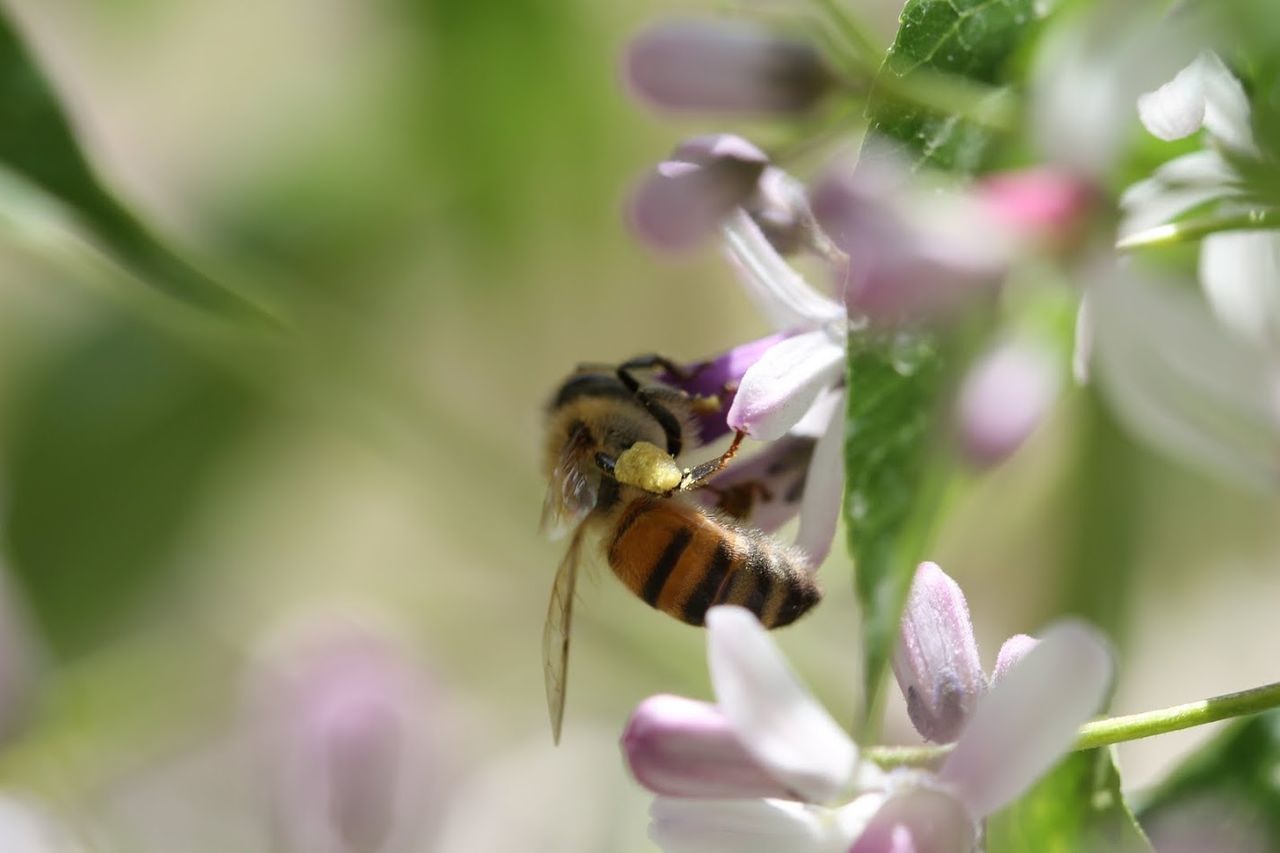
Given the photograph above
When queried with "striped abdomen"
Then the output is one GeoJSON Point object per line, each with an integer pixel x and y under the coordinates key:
{"type": "Point", "coordinates": [682, 561]}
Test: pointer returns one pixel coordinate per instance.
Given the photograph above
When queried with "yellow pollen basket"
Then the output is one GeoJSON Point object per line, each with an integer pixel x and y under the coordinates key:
{"type": "Point", "coordinates": [649, 467]}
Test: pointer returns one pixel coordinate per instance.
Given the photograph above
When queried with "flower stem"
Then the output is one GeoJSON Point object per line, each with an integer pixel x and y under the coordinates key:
{"type": "Point", "coordinates": [1194, 229]}
{"type": "Point", "coordinates": [1113, 730]}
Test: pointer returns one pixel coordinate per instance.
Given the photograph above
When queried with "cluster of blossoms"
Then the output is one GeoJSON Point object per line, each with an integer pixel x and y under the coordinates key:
{"type": "Point", "coordinates": [766, 768]}
{"type": "Point", "coordinates": [906, 253]}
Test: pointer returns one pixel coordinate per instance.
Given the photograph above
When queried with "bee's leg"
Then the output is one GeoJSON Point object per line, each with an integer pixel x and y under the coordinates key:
{"type": "Point", "coordinates": [699, 474]}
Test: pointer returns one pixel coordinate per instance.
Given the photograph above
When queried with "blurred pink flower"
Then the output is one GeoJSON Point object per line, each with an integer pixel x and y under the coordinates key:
{"type": "Point", "coordinates": [345, 736]}
{"type": "Point", "coordinates": [766, 768]}
{"type": "Point", "coordinates": [915, 253]}
{"type": "Point", "coordinates": [1006, 394]}
{"type": "Point", "coordinates": [723, 67]}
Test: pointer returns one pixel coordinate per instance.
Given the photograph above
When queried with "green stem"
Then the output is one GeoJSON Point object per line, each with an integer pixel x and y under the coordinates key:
{"type": "Point", "coordinates": [1189, 230]}
{"type": "Point", "coordinates": [1114, 730]}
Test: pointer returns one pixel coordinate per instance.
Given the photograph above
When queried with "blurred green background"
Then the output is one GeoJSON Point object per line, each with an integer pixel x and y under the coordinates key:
{"type": "Point", "coordinates": [429, 191]}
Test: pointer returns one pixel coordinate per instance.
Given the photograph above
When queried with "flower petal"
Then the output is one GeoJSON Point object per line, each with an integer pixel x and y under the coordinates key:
{"type": "Point", "coordinates": [918, 820]}
{"type": "Point", "coordinates": [779, 292]}
{"type": "Point", "coordinates": [1029, 718]}
{"type": "Point", "coordinates": [763, 491]}
{"type": "Point", "coordinates": [736, 826]}
{"type": "Point", "coordinates": [1240, 272]}
{"type": "Point", "coordinates": [1176, 187]}
{"type": "Point", "coordinates": [682, 748]}
{"type": "Point", "coordinates": [936, 660]}
{"type": "Point", "coordinates": [780, 388]}
{"type": "Point", "coordinates": [823, 486]}
{"type": "Point", "coordinates": [1176, 109]}
{"type": "Point", "coordinates": [686, 198]}
{"type": "Point", "coordinates": [719, 378]}
{"type": "Point", "coordinates": [723, 67]}
{"type": "Point", "coordinates": [1204, 94]}
{"type": "Point", "coordinates": [1177, 379]}
{"type": "Point", "coordinates": [777, 719]}
{"type": "Point", "coordinates": [1013, 650]}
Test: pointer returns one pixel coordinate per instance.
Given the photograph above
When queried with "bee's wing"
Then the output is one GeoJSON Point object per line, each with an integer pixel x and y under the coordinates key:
{"type": "Point", "coordinates": [555, 633]}
{"type": "Point", "coordinates": [572, 492]}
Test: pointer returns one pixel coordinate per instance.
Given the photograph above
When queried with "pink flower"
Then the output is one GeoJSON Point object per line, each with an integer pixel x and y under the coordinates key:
{"type": "Point", "coordinates": [1004, 397]}
{"type": "Point", "coordinates": [766, 768]}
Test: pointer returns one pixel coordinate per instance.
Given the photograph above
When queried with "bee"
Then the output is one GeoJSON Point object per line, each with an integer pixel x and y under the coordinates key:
{"type": "Point", "coordinates": [611, 449]}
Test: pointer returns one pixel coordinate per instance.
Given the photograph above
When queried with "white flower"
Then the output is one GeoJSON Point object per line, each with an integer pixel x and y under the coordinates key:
{"type": "Point", "coordinates": [766, 768]}
{"type": "Point", "coordinates": [1240, 271]}
{"type": "Point", "coordinates": [796, 386]}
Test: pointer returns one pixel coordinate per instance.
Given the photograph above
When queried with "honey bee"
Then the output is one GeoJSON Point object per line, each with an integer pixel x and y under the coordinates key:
{"type": "Point", "coordinates": [611, 451]}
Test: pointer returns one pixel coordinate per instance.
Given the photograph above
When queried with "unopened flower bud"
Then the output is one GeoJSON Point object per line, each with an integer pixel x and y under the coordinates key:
{"type": "Point", "coordinates": [721, 67]}
{"type": "Point", "coordinates": [936, 661]}
{"type": "Point", "coordinates": [682, 748]}
{"type": "Point", "coordinates": [1046, 207]}
{"type": "Point", "coordinates": [686, 198]}
{"type": "Point", "coordinates": [1006, 395]}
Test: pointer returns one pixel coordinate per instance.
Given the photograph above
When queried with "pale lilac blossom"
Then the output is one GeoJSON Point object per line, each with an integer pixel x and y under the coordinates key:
{"type": "Point", "coordinates": [766, 768]}
{"type": "Point", "coordinates": [724, 67]}
{"type": "Point", "coordinates": [936, 661]}
{"type": "Point", "coordinates": [27, 828]}
{"type": "Point", "coordinates": [1239, 270]}
{"type": "Point", "coordinates": [343, 725]}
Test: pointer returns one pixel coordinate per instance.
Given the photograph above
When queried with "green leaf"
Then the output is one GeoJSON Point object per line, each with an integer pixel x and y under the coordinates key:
{"type": "Point", "coordinates": [107, 454]}
{"type": "Point", "coordinates": [38, 143]}
{"type": "Point", "coordinates": [1077, 806]}
{"type": "Point", "coordinates": [1229, 789]}
{"type": "Point", "coordinates": [972, 39]}
{"type": "Point", "coordinates": [888, 505]}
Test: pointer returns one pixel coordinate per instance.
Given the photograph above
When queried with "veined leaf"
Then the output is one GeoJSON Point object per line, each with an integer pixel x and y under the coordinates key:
{"type": "Point", "coordinates": [971, 39]}
{"type": "Point", "coordinates": [1077, 806]}
{"type": "Point", "coordinates": [888, 445]}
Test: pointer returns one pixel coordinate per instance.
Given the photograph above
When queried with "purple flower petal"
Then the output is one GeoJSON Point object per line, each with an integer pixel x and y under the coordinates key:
{"type": "Point", "coordinates": [720, 67]}
{"type": "Point", "coordinates": [1004, 397]}
{"type": "Point", "coordinates": [685, 198]}
{"type": "Point", "coordinates": [777, 720]}
{"type": "Point", "coordinates": [936, 661]}
{"type": "Point", "coordinates": [682, 748]}
{"type": "Point", "coordinates": [918, 820]}
{"type": "Point", "coordinates": [1029, 718]}
{"type": "Point", "coordinates": [782, 386]}
{"type": "Point", "coordinates": [720, 377]}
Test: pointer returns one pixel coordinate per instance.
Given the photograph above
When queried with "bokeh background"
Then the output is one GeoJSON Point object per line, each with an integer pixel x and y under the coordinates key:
{"type": "Point", "coordinates": [430, 191]}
